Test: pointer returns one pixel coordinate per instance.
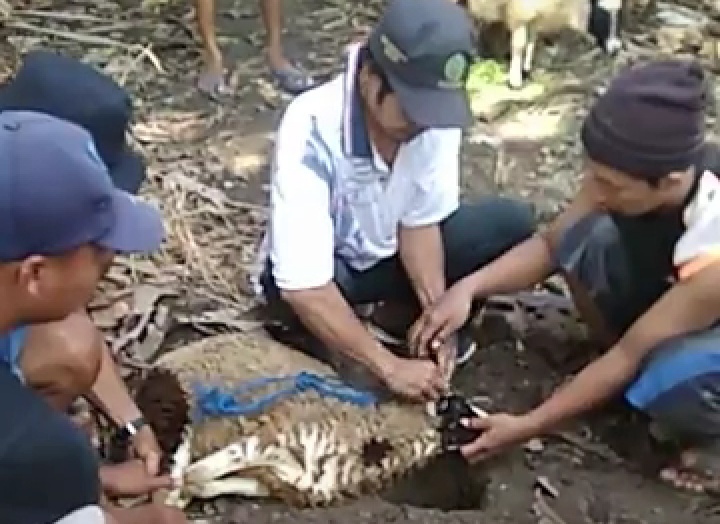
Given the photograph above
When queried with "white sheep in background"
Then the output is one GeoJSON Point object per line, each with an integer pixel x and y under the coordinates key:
{"type": "Point", "coordinates": [305, 449]}
{"type": "Point", "coordinates": [528, 19]}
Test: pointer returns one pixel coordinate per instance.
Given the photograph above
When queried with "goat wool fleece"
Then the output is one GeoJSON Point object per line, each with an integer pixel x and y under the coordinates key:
{"type": "Point", "coordinates": [304, 449]}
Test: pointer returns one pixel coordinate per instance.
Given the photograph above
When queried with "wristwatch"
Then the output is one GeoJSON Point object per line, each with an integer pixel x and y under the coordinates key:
{"type": "Point", "coordinates": [130, 429]}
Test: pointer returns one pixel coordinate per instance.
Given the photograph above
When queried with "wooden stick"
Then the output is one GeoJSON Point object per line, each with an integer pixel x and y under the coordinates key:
{"type": "Point", "coordinates": [52, 15]}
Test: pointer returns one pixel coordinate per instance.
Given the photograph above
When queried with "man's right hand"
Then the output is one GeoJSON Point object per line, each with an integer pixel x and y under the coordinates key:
{"type": "Point", "coordinates": [415, 379]}
{"type": "Point", "coordinates": [448, 314]}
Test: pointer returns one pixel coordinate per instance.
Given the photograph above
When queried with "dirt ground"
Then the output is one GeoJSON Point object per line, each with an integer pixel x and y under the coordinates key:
{"type": "Point", "coordinates": [600, 470]}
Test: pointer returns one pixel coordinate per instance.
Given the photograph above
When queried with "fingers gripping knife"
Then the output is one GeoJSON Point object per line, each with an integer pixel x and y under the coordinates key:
{"type": "Point", "coordinates": [308, 445]}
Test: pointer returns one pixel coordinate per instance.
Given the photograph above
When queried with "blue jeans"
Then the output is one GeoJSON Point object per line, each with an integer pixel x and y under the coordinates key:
{"type": "Point", "coordinates": [679, 383]}
{"type": "Point", "coordinates": [474, 235]}
{"type": "Point", "coordinates": [11, 344]}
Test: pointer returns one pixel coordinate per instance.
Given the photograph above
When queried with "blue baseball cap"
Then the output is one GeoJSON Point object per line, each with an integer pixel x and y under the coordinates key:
{"type": "Point", "coordinates": [426, 48]}
{"type": "Point", "coordinates": [56, 194]}
{"type": "Point", "coordinates": [64, 87]}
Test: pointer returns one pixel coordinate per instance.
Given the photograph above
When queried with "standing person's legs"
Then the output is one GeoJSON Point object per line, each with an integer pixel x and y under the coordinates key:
{"type": "Point", "coordinates": [679, 384]}
{"type": "Point", "coordinates": [271, 11]}
{"type": "Point", "coordinates": [290, 77]}
{"type": "Point", "coordinates": [211, 80]}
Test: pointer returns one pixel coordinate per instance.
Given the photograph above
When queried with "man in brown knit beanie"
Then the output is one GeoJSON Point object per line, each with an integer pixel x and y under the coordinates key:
{"type": "Point", "coordinates": [640, 249]}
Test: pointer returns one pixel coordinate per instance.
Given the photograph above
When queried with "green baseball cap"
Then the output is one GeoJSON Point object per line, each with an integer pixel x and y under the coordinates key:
{"type": "Point", "coordinates": [426, 48]}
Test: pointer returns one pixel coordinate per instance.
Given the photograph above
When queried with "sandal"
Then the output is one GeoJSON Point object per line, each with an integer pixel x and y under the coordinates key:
{"type": "Point", "coordinates": [213, 85]}
{"type": "Point", "coordinates": [293, 79]}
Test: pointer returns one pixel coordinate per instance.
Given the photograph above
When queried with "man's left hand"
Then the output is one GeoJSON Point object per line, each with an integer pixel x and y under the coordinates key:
{"type": "Point", "coordinates": [499, 432]}
{"type": "Point", "coordinates": [146, 448]}
{"type": "Point", "coordinates": [441, 319]}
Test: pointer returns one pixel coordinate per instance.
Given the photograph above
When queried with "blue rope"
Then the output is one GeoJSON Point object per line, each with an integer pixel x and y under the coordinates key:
{"type": "Point", "coordinates": [214, 402]}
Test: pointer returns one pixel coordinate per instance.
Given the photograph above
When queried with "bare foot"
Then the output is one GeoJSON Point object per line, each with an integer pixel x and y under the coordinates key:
{"type": "Point", "coordinates": [698, 470]}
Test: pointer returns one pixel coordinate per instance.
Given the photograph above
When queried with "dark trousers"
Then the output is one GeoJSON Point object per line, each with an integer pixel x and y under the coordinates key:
{"type": "Point", "coordinates": [472, 236]}
{"type": "Point", "coordinates": [679, 383]}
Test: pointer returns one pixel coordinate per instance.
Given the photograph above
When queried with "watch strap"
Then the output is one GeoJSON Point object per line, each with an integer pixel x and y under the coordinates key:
{"type": "Point", "coordinates": [130, 429]}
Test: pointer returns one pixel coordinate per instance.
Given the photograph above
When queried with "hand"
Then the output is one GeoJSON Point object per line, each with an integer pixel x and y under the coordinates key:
{"type": "Point", "coordinates": [146, 448]}
{"type": "Point", "coordinates": [148, 514]}
{"type": "Point", "coordinates": [446, 356]}
{"type": "Point", "coordinates": [415, 379]}
{"type": "Point", "coordinates": [499, 432]}
{"type": "Point", "coordinates": [131, 479]}
{"type": "Point", "coordinates": [443, 318]}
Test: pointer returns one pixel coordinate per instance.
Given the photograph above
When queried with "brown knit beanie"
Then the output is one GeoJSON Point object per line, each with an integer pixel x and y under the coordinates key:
{"type": "Point", "coordinates": [650, 121]}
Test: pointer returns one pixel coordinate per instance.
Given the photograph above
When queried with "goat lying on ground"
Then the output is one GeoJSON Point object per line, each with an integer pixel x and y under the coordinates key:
{"type": "Point", "coordinates": [528, 19]}
{"type": "Point", "coordinates": [316, 444]}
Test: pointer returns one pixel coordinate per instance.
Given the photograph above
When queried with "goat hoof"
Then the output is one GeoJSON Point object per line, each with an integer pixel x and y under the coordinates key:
{"type": "Point", "coordinates": [514, 83]}
{"type": "Point", "coordinates": [613, 46]}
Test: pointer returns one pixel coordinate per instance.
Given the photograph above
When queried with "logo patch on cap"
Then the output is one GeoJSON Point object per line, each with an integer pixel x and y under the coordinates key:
{"type": "Point", "coordinates": [455, 70]}
{"type": "Point", "coordinates": [391, 51]}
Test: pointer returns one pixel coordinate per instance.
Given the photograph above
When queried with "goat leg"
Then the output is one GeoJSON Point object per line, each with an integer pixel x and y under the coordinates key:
{"type": "Point", "coordinates": [519, 47]}
{"type": "Point", "coordinates": [529, 52]}
{"type": "Point", "coordinates": [242, 487]}
{"type": "Point", "coordinates": [242, 456]}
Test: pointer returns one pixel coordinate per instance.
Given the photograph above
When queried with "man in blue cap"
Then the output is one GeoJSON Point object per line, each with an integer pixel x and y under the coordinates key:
{"type": "Point", "coordinates": [61, 222]}
{"type": "Point", "coordinates": [365, 197]}
{"type": "Point", "coordinates": [64, 87]}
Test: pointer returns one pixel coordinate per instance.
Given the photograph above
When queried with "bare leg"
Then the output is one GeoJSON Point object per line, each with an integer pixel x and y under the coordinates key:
{"type": "Point", "coordinates": [271, 11]}
{"type": "Point", "coordinates": [519, 44]}
{"type": "Point", "coordinates": [290, 78]}
{"type": "Point", "coordinates": [211, 79]}
{"type": "Point", "coordinates": [529, 53]}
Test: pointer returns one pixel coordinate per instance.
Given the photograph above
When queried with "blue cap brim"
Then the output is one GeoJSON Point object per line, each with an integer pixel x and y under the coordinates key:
{"type": "Point", "coordinates": [433, 108]}
{"type": "Point", "coordinates": [129, 172]}
{"type": "Point", "coordinates": [138, 227]}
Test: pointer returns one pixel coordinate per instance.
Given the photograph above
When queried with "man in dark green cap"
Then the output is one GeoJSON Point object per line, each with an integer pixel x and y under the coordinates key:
{"type": "Point", "coordinates": [365, 197]}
